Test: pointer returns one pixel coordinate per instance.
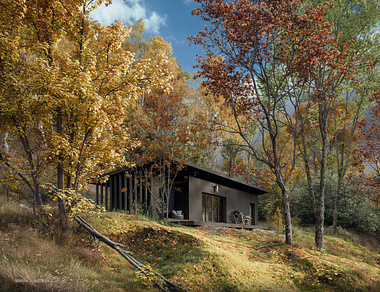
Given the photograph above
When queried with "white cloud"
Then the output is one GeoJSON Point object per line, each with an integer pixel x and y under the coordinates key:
{"type": "Point", "coordinates": [130, 11]}
{"type": "Point", "coordinates": [173, 39]}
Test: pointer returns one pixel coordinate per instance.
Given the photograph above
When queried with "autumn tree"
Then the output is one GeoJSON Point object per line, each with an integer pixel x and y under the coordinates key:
{"type": "Point", "coordinates": [22, 154]}
{"type": "Point", "coordinates": [353, 20]}
{"type": "Point", "coordinates": [346, 116]}
{"type": "Point", "coordinates": [83, 81]}
{"type": "Point", "coordinates": [157, 125]}
{"type": "Point", "coordinates": [319, 105]}
{"type": "Point", "coordinates": [342, 137]}
{"type": "Point", "coordinates": [368, 150]}
{"type": "Point", "coordinates": [230, 151]}
{"type": "Point", "coordinates": [209, 115]}
{"type": "Point", "coordinates": [270, 46]}
{"type": "Point", "coordinates": [160, 121]}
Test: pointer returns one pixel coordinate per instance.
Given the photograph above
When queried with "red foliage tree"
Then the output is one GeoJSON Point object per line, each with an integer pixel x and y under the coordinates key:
{"type": "Point", "coordinates": [263, 56]}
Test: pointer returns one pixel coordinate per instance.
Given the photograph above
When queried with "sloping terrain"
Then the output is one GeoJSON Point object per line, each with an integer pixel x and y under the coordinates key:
{"type": "Point", "coordinates": [198, 259]}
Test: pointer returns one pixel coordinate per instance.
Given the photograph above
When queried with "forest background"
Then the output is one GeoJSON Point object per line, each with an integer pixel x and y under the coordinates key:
{"type": "Point", "coordinates": [289, 104]}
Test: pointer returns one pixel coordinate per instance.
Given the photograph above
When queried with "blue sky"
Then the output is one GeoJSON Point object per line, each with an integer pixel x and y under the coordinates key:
{"type": "Point", "coordinates": [170, 19]}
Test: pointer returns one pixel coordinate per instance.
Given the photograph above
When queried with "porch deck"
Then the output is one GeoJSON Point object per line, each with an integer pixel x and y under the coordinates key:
{"type": "Point", "coordinates": [192, 223]}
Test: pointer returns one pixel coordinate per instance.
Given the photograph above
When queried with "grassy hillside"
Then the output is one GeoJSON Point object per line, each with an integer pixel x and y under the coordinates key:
{"type": "Point", "coordinates": [198, 259]}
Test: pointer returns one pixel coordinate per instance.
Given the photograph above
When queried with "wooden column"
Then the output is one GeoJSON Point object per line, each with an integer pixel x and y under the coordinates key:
{"type": "Point", "coordinates": [140, 186]}
{"type": "Point", "coordinates": [130, 193]}
{"type": "Point", "coordinates": [101, 194]}
{"type": "Point", "coordinates": [134, 188]}
{"type": "Point", "coordinates": [112, 186]}
{"type": "Point", "coordinates": [106, 194]}
{"type": "Point", "coordinates": [119, 192]}
{"type": "Point", "coordinates": [97, 194]}
{"type": "Point", "coordinates": [151, 182]}
{"type": "Point", "coordinates": [125, 193]}
{"type": "Point", "coordinates": [115, 193]}
{"type": "Point", "coordinates": [145, 197]}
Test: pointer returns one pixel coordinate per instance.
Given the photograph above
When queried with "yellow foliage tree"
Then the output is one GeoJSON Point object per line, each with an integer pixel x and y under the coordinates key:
{"type": "Point", "coordinates": [78, 79]}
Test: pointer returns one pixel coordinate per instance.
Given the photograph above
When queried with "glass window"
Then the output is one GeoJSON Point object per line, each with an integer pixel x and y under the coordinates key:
{"type": "Point", "coordinates": [211, 208]}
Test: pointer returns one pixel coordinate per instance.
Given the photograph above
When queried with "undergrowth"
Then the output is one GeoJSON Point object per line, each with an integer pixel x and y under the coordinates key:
{"type": "Point", "coordinates": [198, 259]}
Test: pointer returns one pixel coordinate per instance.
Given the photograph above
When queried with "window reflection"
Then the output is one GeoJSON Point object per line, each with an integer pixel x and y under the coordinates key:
{"type": "Point", "coordinates": [211, 208]}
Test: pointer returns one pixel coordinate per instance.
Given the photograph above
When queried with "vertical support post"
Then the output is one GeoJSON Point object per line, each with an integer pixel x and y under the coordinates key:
{"type": "Point", "coordinates": [106, 194]}
{"type": "Point", "coordinates": [134, 187]}
{"type": "Point", "coordinates": [97, 194]}
{"type": "Point", "coordinates": [125, 193]}
{"type": "Point", "coordinates": [130, 193]}
{"type": "Point", "coordinates": [115, 194]}
{"type": "Point", "coordinates": [111, 187]}
{"type": "Point", "coordinates": [145, 197]}
{"type": "Point", "coordinates": [151, 182]}
{"type": "Point", "coordinates": [140, 185]}
{"type": "Point", "coordinates": [101, 194]}
{"type": "Point", "coordinates": [119, 192]}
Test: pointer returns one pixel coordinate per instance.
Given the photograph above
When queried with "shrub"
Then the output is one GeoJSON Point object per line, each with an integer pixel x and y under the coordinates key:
{"type": "Point", "coordinates": [12, 213]}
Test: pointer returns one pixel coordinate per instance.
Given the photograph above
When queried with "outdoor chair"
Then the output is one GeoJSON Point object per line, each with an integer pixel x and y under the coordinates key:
{"type": "Point", "coordinates": [239, 218]}
{"type": "Point", "coordinates": [246, 220]}
{"type": "Point", "coordinates": [177, 214]}
{"type": "Point", "coordinates": [233, 218]}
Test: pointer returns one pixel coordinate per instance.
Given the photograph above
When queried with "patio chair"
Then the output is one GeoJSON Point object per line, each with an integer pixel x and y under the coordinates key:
{"type": "Point", "coordinates": [246, 220]}
{"type": "Point", "coordinates": [177, 214]}
{"type": "Point", "coordinates": [239, 218]}
{"type": "Point", "coordinates": [233, 218]}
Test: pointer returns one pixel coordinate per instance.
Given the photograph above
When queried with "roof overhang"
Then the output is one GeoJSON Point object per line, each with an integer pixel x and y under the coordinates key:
{"type": "Point", "coordinates": [210, 175]}
{"type": "Point", "coordinates": [204, 173]}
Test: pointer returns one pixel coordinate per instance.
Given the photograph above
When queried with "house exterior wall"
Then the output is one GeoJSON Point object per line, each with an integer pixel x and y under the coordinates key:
{"type": "Point", "coordinates": [235, 199]}
{"type": "Point", "coordinates": [128, 191]}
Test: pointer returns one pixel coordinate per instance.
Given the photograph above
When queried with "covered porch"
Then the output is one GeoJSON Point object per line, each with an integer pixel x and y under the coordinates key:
{"type": "Point", "coordinates": [195, 223]}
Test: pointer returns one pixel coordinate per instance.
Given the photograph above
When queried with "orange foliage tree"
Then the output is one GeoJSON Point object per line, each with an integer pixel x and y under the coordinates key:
{"type": "Point", "coordinates": [160, 121]}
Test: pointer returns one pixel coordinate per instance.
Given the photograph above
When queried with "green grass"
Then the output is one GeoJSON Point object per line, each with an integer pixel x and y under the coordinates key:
{"type": "Point", "coordinates": [198, 259]}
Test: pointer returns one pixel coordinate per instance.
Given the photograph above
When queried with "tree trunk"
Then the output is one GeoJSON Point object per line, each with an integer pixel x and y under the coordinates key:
{"type": "Point", "coordinates": [61, 179]}
{"type": "Point", "coordinates": [336, 203]}
{"type": "Point", "coordinates": [33, 168]}
{"type": "Point", "coordinates": [68, 181]}
{"type": "Point", "coordinates": [319, 229]}
{"type": "Point", "coordinates": [286, 202]}
{"type": "Point", "coordinates": [320, 216]}
{"type": "Point", "coordinates": [36, 193]}
{"type": "Point", "coordinates": [288, 218]}
{"type": "Point", "coordinates": [324, 110]}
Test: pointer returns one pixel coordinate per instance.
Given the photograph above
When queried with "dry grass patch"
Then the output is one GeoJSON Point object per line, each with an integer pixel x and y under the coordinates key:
{"type": "Point", "coordinates": [198, 259]}
{"type": "Point", "coordinates": [33, 261]}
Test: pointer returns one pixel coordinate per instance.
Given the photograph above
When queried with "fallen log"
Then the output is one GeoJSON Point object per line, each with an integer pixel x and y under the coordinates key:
{"type": "Point", "coordinates": [169, 286]}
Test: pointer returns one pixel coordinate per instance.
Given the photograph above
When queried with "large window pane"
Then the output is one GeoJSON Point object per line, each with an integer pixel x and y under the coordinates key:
{"type": "Point", "coordinates": [211, 208]}
{"type": "Point", "coordinates": [215, 209]}
{"type": "Point", "coordinates": [204, 206]}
